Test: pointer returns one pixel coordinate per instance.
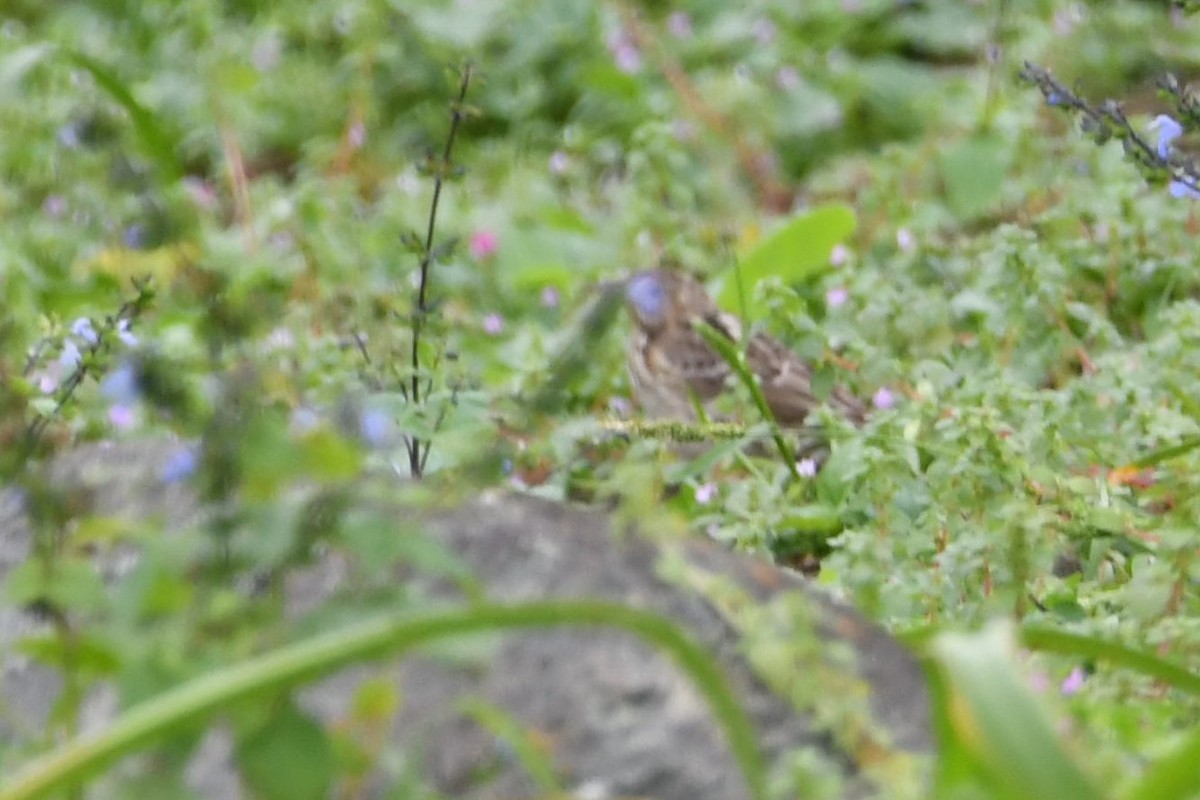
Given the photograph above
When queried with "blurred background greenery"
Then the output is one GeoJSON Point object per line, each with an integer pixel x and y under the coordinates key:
{"type": "Point", "coordinates": [1024, 299]}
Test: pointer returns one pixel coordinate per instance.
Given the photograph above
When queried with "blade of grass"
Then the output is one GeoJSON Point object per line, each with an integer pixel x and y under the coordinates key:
{"type": "Point", "coordinates": [736, 360]}
{"type": "Point", "coordinates": [1055, 641]}
{"type": "Point", "coordinates": [196, 701]}
{"type": "Point", "coordinates": [998, 724]}
{"type": "Point", "coordinates": [158, 143]}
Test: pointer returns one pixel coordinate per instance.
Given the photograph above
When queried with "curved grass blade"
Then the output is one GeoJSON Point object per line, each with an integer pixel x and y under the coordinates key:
{"type": "Point", "coordinates": [197, 700]}
{"type": "Point", "coordinates": [158, 143]}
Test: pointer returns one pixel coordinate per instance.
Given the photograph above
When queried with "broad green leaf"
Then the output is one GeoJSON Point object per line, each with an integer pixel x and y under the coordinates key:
{"type": "Point", "coordinates": [993, 715]}
{"type": "Point", "coordinates": [797, 251]}
{"type": "Point", "coordinates": [973, 174]}
{"type": "Point", "coordinates": [289, 758]}
{"type": "Point", "coordinates": [1174, 777]}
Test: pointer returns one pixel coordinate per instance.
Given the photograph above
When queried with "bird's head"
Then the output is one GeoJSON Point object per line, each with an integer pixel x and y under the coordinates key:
{"type": "Point", "coordinates": [661, 297]}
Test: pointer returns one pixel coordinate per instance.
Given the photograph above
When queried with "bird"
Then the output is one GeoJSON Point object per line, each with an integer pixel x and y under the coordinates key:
{"type": "Point", "coordinates": [672, 368]}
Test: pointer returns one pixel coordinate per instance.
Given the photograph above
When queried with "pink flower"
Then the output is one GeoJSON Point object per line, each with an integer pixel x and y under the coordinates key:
{"type": "Point", "coordinates": [493, 324]}
{"type": "Point", "coordinates": [122, 416]}
{"type": "Point", "coordinates": [806, 468]}
{"type": "Point", "coordinates": [836, 297]}
{"type": "Point", "coordinates": [483, 245]}
{"type": "Point", "coordinates": [679, 24]}
{"type": "Point", "coordinates": [625, 53]}
{"type": "Point", "coordinates": [905, 240]}
{"type": "Point", "coordinates": [705, 493]}
{"type": "Point", "coordinates": [884, 399]}
{"type": "Point", "coordinates": [1073, 682]}
{"type": "Point", "coordinates": [838, 255]}
{"type": "Point", "coordinates": [764, 31]}
{"type": "Point", "coordinates": [620, 406]}
{"type": "Point", "coordinates": [787, 78]}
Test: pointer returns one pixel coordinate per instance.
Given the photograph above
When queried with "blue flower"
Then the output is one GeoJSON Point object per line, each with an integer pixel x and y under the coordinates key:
{"type": "Point", "coordinates": [375, 428]}
{"type": "Point", "coordinates": [121, 385]}
{"type": "Point", "coordinates": [83, 329]}
{"type": "Point", "coordinates": [1181, 189]}
{"type": "Point", "coordinates": [1168, 131]}
{"type": "Point", "coordinates": [181, 465]}
{"type": "Point", "coordinates": [1054, 99]}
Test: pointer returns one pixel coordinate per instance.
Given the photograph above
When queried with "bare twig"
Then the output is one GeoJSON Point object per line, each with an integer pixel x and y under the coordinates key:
{"type": "Point", "coordinates": [418, 449]}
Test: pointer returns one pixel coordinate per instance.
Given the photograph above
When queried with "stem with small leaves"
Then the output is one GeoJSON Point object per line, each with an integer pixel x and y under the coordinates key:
{"type": "Point", "coordinates": [418, 449]}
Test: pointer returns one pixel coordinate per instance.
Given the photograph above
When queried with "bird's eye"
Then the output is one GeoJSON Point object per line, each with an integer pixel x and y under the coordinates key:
{"type": "Point", "coordinates": [646, 294]}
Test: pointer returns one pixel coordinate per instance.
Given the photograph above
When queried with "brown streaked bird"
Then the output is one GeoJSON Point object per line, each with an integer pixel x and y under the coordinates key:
{"type": "Point", "coordinates": [670, 363]}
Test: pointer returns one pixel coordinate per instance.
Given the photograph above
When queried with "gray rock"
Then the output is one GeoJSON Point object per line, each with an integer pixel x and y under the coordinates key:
{"type": "Point", "coordinates": [617, 717]}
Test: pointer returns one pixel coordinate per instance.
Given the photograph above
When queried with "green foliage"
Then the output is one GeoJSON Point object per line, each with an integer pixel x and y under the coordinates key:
{"type": "Point", "coordinates": [246, 189]}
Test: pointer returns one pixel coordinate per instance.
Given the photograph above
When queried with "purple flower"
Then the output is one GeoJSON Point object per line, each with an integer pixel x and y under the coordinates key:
{"type": "Point", "coordinates": [357, 135]}
{"type": "Point", "coordinates": [560, 162]}
{"type": "Point", "coordinates": [122, 416]}
{"type": "Point", "coordinates": [905, 240]}
{"type": "Point", "coordinates": [764, 31]}
{"type": "Point", "coordinates": [494, 324]}
{"type": "Point", "coordinates": [836, 297]}
{"type": "Point", "coordinates": [1054, 99]}
{"type": "Point", "coordinates": [884, 399]}
{"type": "Point", "coordinates": [54, 206]}
{"type": "Point", "coordinates": [679, 24]}
{"type": "Point", "coordinates": [135, 236]}
{"type": "Point", "coordinates": [806, 468]}
{"type": "Point", "coordinates": [620, 406]}
{"type": "Point", "coordinates": [483, 245]}
{"type": "Point", "coordinates": [1073, 682]}
{"type": "Point", "coordinates": [201, 193]}
{"type": "Point", "coordinates": [838, 255]}
{"type": "Point", "coordinates": [787, 78]}
{"type": "Point", "coordinates": [181, 465]}
{"type": "Point", "coordinates": [625, 53]}
{"type": "Point", "coordinates": [1168, 131]}
{"type": "Point", "coordinates": [705, 493]}
{"type": "Point", "coordinates": [550, 298]}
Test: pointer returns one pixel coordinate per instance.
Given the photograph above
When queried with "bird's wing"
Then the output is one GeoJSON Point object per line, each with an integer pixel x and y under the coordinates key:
{"type": "Point", "coordinates": [786, 381]}
{"type": "Point", "coordinates": [700, 366]}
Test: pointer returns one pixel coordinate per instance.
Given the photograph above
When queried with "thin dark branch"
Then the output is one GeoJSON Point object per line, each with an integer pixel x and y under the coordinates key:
{"type": "Point", "coordinates": [1107, 121]}
{"type": "Point", "coordinates": [416, 458]}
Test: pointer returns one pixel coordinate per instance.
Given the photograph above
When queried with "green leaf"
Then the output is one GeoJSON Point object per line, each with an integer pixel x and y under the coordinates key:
{"type": "Point", "coordinates": [523, 745]}
{"type": "Point", "coordinates": [973, 173]}
{"type": "Point", "coordinates": [995, 719]}
{"type": "Point", "coordinates": [797, 251]}
{"type": "Point", "coordinates": [288, 758]}
{"type": "Point", "coordinates": [813, 518]}
{"type": "Point", "coordinates": [158, 142]}
{"type": "Point", "coordinates": [66, 584]}
{"type": "Point", "coordinates": [1175, 776]}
